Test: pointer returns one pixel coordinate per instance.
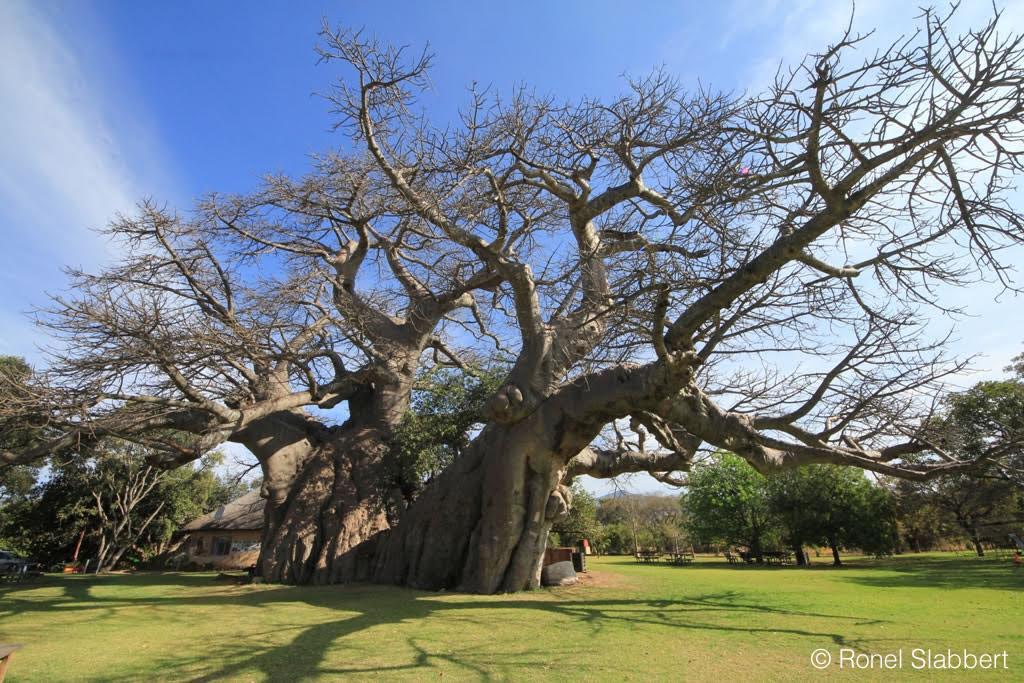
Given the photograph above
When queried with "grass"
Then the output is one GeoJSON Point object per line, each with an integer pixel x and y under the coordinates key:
{"type": "Point", "coordinates": [625, 622]}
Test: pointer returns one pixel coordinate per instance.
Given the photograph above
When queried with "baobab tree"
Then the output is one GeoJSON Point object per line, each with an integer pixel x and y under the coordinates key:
{"type": "Point", "coordinates": [746, 273]}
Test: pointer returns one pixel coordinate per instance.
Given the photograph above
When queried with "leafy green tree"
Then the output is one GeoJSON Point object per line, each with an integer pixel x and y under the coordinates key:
{"type": "Point", "coordinates": [986, 503]}
{"type": "Point", "coordinates": [648, 522]}
{"type": "Point", "coordinates": [727, 502]}
{"type": "Point", "coordinates": [922, 525]}
{"type": "Point", "coordinates": [986, 416]}
{"type": "Point", "coordinates": [45, 524]}
{"type": "Point", "coordinates": [982, 508]}
{"type": "Point", "coordinates": [581, 521]}
{"type": "Point", "coordinates": [834, 506]}
{"type": "Point", "coordinates": [446, 404]}
{"type": "Point", "coordinates": [614, 538]}
{"type": "Point", "coordinates": [110, 494]}
{"type": "Point", "coordinates": [16, 480]}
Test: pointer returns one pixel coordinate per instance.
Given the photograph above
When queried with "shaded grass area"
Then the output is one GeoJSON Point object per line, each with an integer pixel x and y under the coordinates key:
{"type": "Point", "coordinates": [626, 622]}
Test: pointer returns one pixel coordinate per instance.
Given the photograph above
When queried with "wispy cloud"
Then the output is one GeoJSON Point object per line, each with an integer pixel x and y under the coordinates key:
{"type": "Point", "coordinates": [773, 33]}
{"type": "Point", "coordinates": [784, 33]}
{"type": "Point", "coordinates": [75, 149]}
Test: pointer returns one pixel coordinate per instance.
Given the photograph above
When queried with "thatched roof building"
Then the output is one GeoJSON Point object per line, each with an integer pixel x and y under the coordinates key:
{"type": "Point", "coordinates": [228, 537]}
{"type": "Point", "coordinates": [241, 514]}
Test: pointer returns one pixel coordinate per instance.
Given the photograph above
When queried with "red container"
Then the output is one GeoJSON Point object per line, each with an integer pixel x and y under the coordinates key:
{"type": "Point", "coordinates": [552, 555]}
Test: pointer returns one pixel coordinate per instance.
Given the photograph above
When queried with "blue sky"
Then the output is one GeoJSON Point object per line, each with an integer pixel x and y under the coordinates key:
{"type": "Point", "coordinates": [108, 102]}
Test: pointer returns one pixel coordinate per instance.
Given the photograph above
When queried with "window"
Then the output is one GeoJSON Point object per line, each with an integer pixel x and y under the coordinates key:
{"type": "Point", "coordinates": [243, 546]}
{"type": "Point", "coordinates": [199, 546]}
{"type": "Point", "coordinates": [221, 545]}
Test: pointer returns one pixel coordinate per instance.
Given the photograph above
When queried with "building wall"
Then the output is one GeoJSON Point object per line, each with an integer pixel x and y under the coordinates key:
{"type": "Point", "coordinates": [207, 548]}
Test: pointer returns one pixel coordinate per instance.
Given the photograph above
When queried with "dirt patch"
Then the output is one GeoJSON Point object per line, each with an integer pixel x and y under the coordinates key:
{"type": "Point", "coordinates": [597, 580]}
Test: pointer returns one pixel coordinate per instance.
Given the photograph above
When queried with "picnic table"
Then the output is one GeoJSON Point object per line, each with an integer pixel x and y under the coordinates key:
{"type": "Point", "coordinates": [778, 557]}
{"type": "Point", "coordinates": [648, 556]}
{"type": "Point", "coordinates": [6, 650]}
{"type": "Point", "coordinates": [681, 557]}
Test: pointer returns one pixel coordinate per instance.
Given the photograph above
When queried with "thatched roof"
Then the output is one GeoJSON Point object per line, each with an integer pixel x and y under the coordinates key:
{"type": "Point", "coordinates": [241, 514]}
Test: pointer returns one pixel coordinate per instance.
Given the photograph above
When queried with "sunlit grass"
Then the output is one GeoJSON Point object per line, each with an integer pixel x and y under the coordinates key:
{"type": "Point", "coordinates": [627, 621]}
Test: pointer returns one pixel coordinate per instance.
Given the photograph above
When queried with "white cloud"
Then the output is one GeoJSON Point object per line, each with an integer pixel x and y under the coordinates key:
{"type": "Point", "coordinates": [784, 33]}
{"type": "Point", "coordinates": [808, 26]}
{"type": "Point", "coordinates": [787, 32]}
{"type": "Point", "coordinates": [74, 151]}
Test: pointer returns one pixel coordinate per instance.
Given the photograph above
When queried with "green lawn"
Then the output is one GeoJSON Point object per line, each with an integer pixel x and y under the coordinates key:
{"type": "Point", "coordinates": [636, 622]}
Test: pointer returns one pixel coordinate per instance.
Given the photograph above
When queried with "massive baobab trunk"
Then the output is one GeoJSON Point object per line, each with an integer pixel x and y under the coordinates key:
{"type": "Point", "coordinates": [328, 490]}
{"type": "Point", "coordinates": [338, 500]}
{"type": "Point", "coordinates": [482, 526]}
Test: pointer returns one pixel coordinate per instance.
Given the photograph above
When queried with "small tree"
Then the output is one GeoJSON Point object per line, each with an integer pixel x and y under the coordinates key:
{"type": "Point", "coordinates": [833, 506]}
{"type": "Point", "coordinates": [615, 538]}
{"type": "Point", "coordinates": [727, 501]}
{"type": "Point", "coordinates": [987, 416]}
{"type": "Point", "coordinates": [793, 496]}
{"type": "Point", "coordinates": [920, 523]}
{"type": "Point", "coordinates": [581, 520]}
{"type": "Point", "coordinates": [872, 525]}
{"type": "Point", "coordinates": [17, 479]}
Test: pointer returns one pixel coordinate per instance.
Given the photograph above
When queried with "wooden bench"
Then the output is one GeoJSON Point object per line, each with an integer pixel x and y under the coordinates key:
{"type": "Point", "coordinates": [6, 651]}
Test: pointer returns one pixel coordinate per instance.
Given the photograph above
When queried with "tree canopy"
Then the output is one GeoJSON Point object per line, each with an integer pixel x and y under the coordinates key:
{"type": "Point", "coordinates": [836, 507]}
{"type": "Point", "coordinates": [986, 503]}
{"type": "Point", "coordinates": [108, 498]}
{"type": "Point", "coordinates": [17, 479]}
{"type": "Point", "coordinates": [727, 502]}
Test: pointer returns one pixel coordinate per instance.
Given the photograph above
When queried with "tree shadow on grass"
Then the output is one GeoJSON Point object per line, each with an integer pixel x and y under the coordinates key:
{"type": "Point", "coordinates": [903, 571]}
{"type": "Point", "coordinates": [909, 571]}
{"type": "Point", "coordinates": [321, 649]}
{"type": "Point", "coordinates": [77, 591]}
{"type": "Point", "coordinates": [306, 656]}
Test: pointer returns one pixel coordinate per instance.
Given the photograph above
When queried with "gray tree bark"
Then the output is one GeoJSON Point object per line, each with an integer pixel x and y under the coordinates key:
{"type": "Point", "coordinates": [338, 500]}
{"type": "Point", "coordinates": [482, 526]}
{"type": "Point", "coordinates": [327, 488]}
